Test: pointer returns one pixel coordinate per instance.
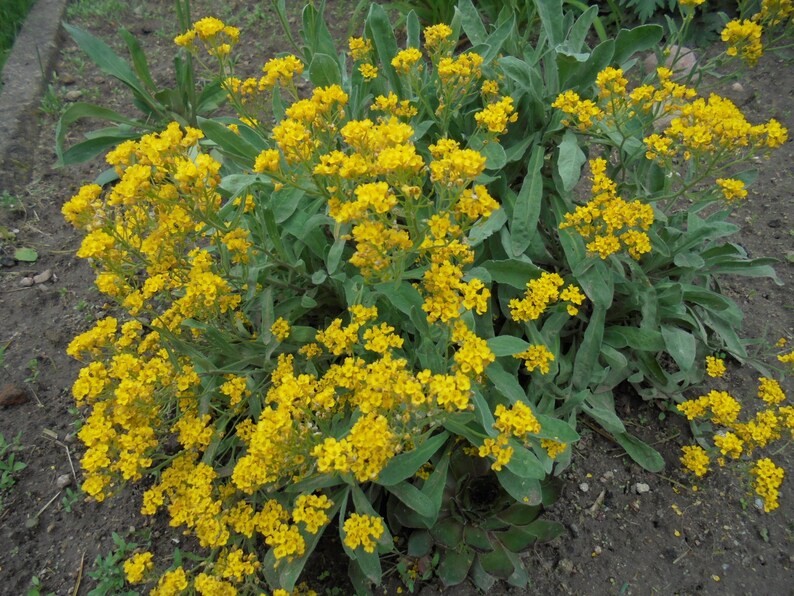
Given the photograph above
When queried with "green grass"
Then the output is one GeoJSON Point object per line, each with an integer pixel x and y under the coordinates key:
{"type": "Point", "coordinates": [92, 9]}
{"type": "Point", "coordinates": [12, 15]}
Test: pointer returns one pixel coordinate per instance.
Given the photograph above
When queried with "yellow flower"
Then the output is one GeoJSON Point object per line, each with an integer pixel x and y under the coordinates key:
{"type": "Point", "coordinates": [405, 59]}
{"type": "Point", "coordinates": [536, 356]}
{"type": "Point", "coordinates": [743, 38]}
{"type": "Point", "coordinates": [732, 189]}
{"type": "Point", "coordinates": [368, 71]}
{"type": "Point", "coordinates": [770, 391]}
{"type": "Point", "coordinates": [715, 367]}
{"type": "Point", "coordinates": [281, 329]}
{"type": "Point", "coordinates": [135, 568]}
{"type": "Point", "coordinates": [360, 48]}
{"type": "Point", "coordinates": [363, 530]}
{"type": "Point", "coordinates": [768, 478]}
{"type": "Point", "coordinates": [695, 459]}
{"type": "Point", "coordinates": [436, 35]}
{"type": "Point", "coordinates": [553, 448]}
{"type": "Point", "coordinates": [729, 444]}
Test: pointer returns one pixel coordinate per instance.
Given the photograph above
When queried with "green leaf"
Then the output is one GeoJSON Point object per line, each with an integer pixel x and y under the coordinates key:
{"type": "Point", "coordinates": [485, 228]}
{"type": "Point", "coordinates": [382, 35]}
{"type": "Point", "coordinates": [524, 463]}
{"type": "Point", "coordinates": [495, 156]}
{"type": "Point", "coordinates": [109, 62]}
{"type": "Point", "coordinates": [527, 208]}
{"type": "Point", "coordinates": [405, 465]}
{"type": "Point", "coordinates": [497, 562]}
{"type": "Point", "coordinates": [315, 33]}
{"type": "Point", "coordinates": [589, 350]}
{"type": "Point", "coordinates": [524, 490]}
{"type": "Point", "coordinates": [471, 22]}
{"type": "Point", "coordinates": [512, 272]}
{"type": "Point", "coordinates": [324, 71]}
{"type": "Point", "coordinates": [640, 452]}
{"type": "Point", "coordinates": [79, 111]}
{"type": "Point", "coordinates": [477, 538]}
{"type": "Point", "coordinates": [601, 408]}
{"type": "Point", "coordinates": [620, 336]}
{"type": "Point", "coordinates": [413, 29]}
{"type": "Point", "coordinates": [505, 383]}
{"type": "Point", "coordinates": [681, 345]}
{"type": "Point", "coordinates": [570, 159]}
{"type": "Point", "coordinates": [497, 39]}
{"type": "Point", "coordinates": [554, 428]}
{"type": "Point", "coordinates": [419, 543]}
{"type": "Point", "coordinates": [139, 62]}
{"type": "Point", "coordinates": [26, 255]}
{"type": "Point", "coordinates": [414, 498]}
{"type": "Point", "coordinates": [516, 539]}
{"type": "Point", "coordinates": [630, 41]}
{"type": "Point", "coordinates": [455, 565]}
{"type": "Point", "coordinates": [228, 142]}
{"type": "Point", "coordinates": [550, 13]}
{"type": "Point", "coordinates": [585, 74]}
{"type": "Point", "coordinates": [448, 532]}
{"type": "Point", "coordinates": [506, 345]}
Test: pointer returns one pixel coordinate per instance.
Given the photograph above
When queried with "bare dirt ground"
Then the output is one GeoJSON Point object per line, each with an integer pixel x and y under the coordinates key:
{"type": "Point", "coordinates": [628, 531]}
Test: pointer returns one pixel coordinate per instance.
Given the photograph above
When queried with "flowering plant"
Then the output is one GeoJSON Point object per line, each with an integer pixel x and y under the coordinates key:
{"type": "Point", "coordinates": [347, 314]}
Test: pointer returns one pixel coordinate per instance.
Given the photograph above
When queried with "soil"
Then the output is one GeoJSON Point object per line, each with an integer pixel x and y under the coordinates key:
{"type": "Point", "coordinates": [628, 531]}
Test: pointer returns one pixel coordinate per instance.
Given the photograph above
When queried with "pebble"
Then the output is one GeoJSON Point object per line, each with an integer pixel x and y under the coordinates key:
{"type": "Point", "coordinates": [641, 488]}
{"type": "Point", "coordinates": [63, 481]}
{"type": "Point", "coordinates": [12, 395]}
{"type": "Point", "coordinates": [73, 95]}
{"type": "Point", "coordinates": [26, 282]}
{"type": "Point", "coordinates": [565, 565]}
{"type": "Point", "coordinates": [608, 475]}
{"type": "Point", "coordinates": [684, 57]}
{"type": "Point", "coordinates": [584, 487]}
{"type": "Point", "coordinates": [45, 275]}
{"type": "Point", "coordinates": [737, 87]}
{"type": "Point", "coordinates": [66, 79]}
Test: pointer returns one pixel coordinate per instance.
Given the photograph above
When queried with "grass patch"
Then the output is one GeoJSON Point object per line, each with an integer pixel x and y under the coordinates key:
{"type": "Point", "coordinates": [12, 15]}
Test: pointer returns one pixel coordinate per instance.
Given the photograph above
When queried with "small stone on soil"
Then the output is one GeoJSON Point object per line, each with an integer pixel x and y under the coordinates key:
{"type": "Point", "coordinates": [26, 282]}
{"type": "Point", "coordinates": [584, 487]}
{"type": "Point", "coordinates": [641, 488]}
{"type": "Point", "coordinates": [73, 95]}
{"type": "Point", "coordinates": [45, 275]}
{"type": "Point", "coordinates": [63, 481]}
{"type": "Point", "coordinates": [565, 565]}
{"type": "Point", "coordinates": [12, 395]}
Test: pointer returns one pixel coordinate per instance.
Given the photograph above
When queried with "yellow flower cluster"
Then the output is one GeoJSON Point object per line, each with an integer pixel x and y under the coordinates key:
{"type": "Point", "coordinates": [738, 438]}
{"type": "Point", "coordinates": [218, 38]}
{"type": "Point", "coordinates": [519, 422]}
{"type": "Point", "coordinates": [585, 111]}
{"type": "Point", "coordinates": [536, 357]}
{"type": "Point", "coordinates": [732, 189]}
{"type": "Point", "coordinates": [135, 568]}
{"type": "Point", "coordinates": [363, 530]}
{"type": "Point", "coordinates": [609, 223]}
{"type": "Point", "coordinates": [553, 448]}
{"type": "Point", "coordinates": [768, 478]}
{"type": "Point", "coordinates": [496, 116]}
{"type": "Point", "coordinates": [744, 39]}
{"type": "Point", "coordinates": [695, 459]}
{"type": "Point", "coordinates": [775, 12]}
{"type": "Point", "coordinates": [715, 367]}
{"type": "Point", "coordinates": [542, 293]}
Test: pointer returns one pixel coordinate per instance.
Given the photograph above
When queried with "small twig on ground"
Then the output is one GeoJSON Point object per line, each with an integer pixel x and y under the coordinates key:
{"type": "Point", "coordinates": [50, 502]}
{"type": "Point", "coordinates": [79, 576]}
{"type": "Point", "coordinates": [53, 436]}
{"type": "Point", "coordinates": [682, 555]}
